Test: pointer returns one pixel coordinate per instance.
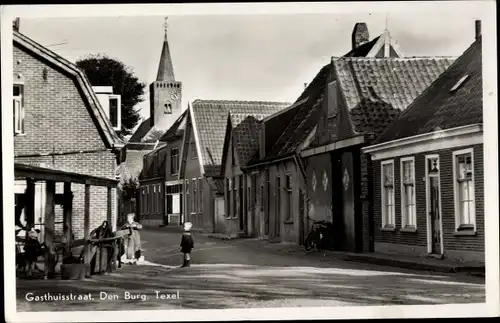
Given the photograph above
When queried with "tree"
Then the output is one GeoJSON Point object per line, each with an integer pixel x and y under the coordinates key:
{"type": "Point", "coordinates": [104, 71]}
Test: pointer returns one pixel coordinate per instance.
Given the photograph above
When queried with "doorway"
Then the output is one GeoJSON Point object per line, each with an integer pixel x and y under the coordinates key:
{"type": "Point", "coordinates": [433, 196]}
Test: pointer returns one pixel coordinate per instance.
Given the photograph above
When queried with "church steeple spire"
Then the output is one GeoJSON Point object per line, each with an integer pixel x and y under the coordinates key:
{"type": "Point", "coordinates": [165, 69]}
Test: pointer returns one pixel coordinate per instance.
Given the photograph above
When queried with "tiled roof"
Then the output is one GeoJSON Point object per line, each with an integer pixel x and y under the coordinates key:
{"type": "Point", "coordinates": [376, 90]}
{"type": "Point", "coordinates": [141, 131]}
{"type": "Point", "coordinates": [177, 129]}
{"type": "Point", "coordinates": [310, 112]}
{"type": "Point", "coordinates": [210, 120]}
{"type": "Point", "coordinates": [305, 119]}
{"type": "Point", "coordinates": [246, 130]}
{"type": "Point", "coordinates": [439, 108]}
{"type": "Point", "coordinates": [397, 81]}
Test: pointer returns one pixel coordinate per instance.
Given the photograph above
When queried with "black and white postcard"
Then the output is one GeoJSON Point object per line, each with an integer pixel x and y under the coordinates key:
{"type": "Point", "coordinates": [250, 161]}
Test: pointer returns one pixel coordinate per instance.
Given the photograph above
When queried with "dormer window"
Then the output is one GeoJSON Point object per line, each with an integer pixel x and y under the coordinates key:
{"type": "Point", "coordinates": [115, 112]}
{"type": "Point", "coordinates": [459, 83]}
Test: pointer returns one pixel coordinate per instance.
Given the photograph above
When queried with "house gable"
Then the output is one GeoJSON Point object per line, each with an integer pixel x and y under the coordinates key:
{"type": "Point", "coordinates": [56, 112]}
{"type": "Point", "coordinates": [190, 163]}
{"type": "Point", "coordinates": [73, 79]}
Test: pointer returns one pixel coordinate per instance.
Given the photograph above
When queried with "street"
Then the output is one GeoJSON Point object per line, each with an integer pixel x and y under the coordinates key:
{"type": "Point", "coordinates": [247, 273]}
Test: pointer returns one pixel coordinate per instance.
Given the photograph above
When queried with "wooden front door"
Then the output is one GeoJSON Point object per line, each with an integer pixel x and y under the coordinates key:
{"type": "Point", "coordinates": [435, 216]}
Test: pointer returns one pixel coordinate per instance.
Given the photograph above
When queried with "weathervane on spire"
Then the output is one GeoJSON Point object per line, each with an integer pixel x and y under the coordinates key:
{"type": "Point", "coordinates": [386, 21]}
{"type": "Point", "coordinates": [165, 24]}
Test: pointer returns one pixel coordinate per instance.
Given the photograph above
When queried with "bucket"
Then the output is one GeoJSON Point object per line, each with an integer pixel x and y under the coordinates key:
{"type": "Point", "coordinates": [73, 271]}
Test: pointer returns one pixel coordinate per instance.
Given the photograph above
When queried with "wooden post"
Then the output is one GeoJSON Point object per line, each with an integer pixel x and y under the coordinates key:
{"type": "Point", "coordinates": [29, 199]}
{"type": "Point", "coordinates": [67, 217]}
{"type": "Point", "coordinates": [110, 211]}
{"type": "Point", "coordinates": [86, 230]}
{"type": "Point", "coordinates": [49, 229]}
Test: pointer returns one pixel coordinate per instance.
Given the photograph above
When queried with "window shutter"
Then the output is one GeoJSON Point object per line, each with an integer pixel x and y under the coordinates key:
{"type": "Point", "coordinates": [332, 99]}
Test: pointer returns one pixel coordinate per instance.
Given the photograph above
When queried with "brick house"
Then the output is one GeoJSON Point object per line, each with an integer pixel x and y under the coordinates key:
{"type": "Point", "coordinates": [201, 157]}
{"type": "Point", "coordinates": [287, 187]}
{"type": "Point", "coordinates": [160, 193]}
{"type": "Point", "coordinates": [428, 177]}
{"type": "Point", "coordinates": [241, 145]}
{"type": "Point", "coordinates": [59, 124]}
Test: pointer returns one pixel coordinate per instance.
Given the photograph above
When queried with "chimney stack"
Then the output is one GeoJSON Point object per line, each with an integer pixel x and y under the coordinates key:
{"type": "Point", "coordinates": [305, 85]}
{"type": "Point", "coordinates": [360, 35]}
{"type": "Point", "coordinates": [16, 23]}
{"type": "Point", "coordinates": [478, 29]}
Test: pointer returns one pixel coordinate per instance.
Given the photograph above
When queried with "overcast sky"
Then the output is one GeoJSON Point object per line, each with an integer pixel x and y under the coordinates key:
{"type": "Point", "coordinates": [246, 57]}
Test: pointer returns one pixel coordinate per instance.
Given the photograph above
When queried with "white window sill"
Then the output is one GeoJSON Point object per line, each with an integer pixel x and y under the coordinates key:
{"type": "Point", "coordinates": [388, 229]}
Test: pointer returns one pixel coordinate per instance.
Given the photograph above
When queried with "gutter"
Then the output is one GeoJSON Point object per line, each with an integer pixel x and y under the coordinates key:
{"type": "Point", "coordinates": [269, 162]}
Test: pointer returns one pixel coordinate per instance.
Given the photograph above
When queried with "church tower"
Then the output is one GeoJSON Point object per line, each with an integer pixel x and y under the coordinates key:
{"type": "Point", "coordinates": [165, 94]}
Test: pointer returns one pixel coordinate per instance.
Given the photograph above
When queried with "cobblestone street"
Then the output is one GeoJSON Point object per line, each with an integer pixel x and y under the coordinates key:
{"type": "Point", "coordinates": [243, 274]}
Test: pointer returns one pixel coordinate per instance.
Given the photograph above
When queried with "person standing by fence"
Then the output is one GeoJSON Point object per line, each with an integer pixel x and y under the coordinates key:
{"type": "Point", "coordinates": [132, 241]}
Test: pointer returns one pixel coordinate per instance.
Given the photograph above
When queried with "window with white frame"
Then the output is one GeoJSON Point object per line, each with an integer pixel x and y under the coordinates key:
{"type": "Point", "coordinates": [235, 198]}
{"type": "Point", "coordinates": [18, 105]}
{"type": "Point", "coordinates": [143, 199]}
{"type": "Point", "coordinates": [200, 195]}
{"type": "Point", "coordinates": [147, 200]}
{"type": "Point", "coordinates": [194, 199]}
{"type": "Point", "coordinates": [187, 195]}
{"type": "Point", "coordinates": [465, 208]}
{"type": "Point", "coordinates": [408, 210]}
{"type": "Point", "coordinates": [115, 113]}
{"type": "Point", "coordinates": [387, 187]}
{"type": "Point", "coordinates": [155, 200]}
{"type": "Point", "coordinates": [289, 199]}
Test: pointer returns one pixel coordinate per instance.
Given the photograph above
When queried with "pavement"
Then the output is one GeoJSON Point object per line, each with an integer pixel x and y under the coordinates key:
{"type": "Point", "coordinates": [242, 273]}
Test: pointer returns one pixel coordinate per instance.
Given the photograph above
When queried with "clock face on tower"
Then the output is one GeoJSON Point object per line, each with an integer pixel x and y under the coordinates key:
{"type": "Point", "coordinates": [175, 95]}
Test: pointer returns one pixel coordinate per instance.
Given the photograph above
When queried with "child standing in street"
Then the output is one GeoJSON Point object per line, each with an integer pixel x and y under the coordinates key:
{"type": "Point", "coordinates": [187, 243]}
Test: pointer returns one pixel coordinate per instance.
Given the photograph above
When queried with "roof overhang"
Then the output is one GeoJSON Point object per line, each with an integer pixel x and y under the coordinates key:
{"type": "Point", "coordinates": [196, 138]}
{"type": "Point", "coordinates": [48, 174]}
{"type": "Point", "coordinates": [432, 141]}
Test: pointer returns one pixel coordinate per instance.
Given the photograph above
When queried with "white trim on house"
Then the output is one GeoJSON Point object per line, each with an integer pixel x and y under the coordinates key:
{"type": "Point", "coordinates": [386, 225]}
{"type": "Point", "coordinates": [172, 183]}
{"type": "Point", "coordinates": [118, 110]}
{"type": "Point", "coordinates": [456, 189]}
{"type": "Point", "coordinates": [333, 146]}
{"type": "Point", "coordinates": [403, 197]}
{"type": "Point", "coordinates": [308, 140]}
{"type": "Point", "coordinates": [427, 204]}
{"type": "Point", "coordinates": [437, 140]}
{"type": "Point", "coordinates": [197, 139]}
{"type": "Point", "coordinates": [381, 42]}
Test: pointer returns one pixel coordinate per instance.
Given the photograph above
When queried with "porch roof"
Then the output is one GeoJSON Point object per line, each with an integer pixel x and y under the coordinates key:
{"type": "Point", "coordinates": [48, 174]}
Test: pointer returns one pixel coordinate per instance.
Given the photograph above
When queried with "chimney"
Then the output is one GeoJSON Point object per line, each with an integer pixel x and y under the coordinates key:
{"type": "Point", "coordinates": [16, 23]}
{"type": "Point", "coordinates": [478, 29]}
{"type": "Point", "coordinates": [305, 85]}
{"type": "Point", "coordinates": [360, 35]}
